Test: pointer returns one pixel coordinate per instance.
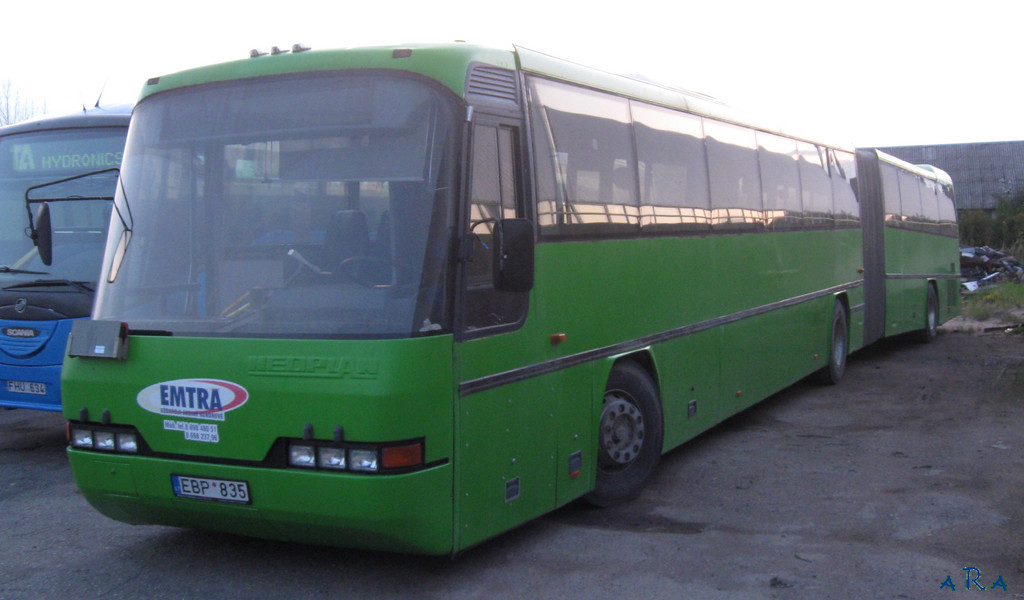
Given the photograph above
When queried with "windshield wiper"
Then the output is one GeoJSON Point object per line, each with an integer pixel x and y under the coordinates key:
{"type": "Point", "coordinates": [78, 285]}
{"type": "Point", "coordinates": [6, 269]}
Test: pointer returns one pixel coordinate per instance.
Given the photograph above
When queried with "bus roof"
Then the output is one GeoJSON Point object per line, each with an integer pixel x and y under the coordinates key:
{"type": "Point", "coordinates": [100, 116]}
{"type": "Point", "coordinates": [926, 171]}
{"type": "Point", "coordinates": [449, 63]}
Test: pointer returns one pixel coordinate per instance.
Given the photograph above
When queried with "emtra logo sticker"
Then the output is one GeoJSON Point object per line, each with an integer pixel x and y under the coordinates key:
{"type": "Point", "coordinates": [197, 398]}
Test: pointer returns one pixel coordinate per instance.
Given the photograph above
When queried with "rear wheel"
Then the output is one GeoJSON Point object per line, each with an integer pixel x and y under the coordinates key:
{"type": "Point", "coordinates": [629, 436]}
{"type": "Point", "coordinates": [838, 348]}
{"type": "Point", "coordinates": [931, 317]}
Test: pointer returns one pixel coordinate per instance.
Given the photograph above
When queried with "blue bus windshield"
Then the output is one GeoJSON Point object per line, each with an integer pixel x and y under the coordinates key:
{"type": "Point", "coordinates": [79, 226]}
{"type": "Point", "coordinates": [38, 302]}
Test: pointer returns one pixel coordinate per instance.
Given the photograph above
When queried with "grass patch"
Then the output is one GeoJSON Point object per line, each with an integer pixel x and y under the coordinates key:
{"type": "Point", "coordinates": [1005, 301]}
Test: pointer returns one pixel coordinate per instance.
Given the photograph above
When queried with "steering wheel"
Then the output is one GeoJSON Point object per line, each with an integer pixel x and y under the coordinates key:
{"type": "Point", "coordinates": [350, 268]}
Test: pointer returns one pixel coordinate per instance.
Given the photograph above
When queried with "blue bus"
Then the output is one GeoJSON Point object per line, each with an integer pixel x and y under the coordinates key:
{"type": "Point", "coordinates": [57, 181]}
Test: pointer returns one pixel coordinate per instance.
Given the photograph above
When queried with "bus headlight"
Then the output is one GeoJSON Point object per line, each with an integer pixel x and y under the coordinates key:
{"type": "Point", "coordinates": [127, 442]}
{"type": "Point", "coordinates": [331, 458]}
{"type": "Point", "coordinates": [85, 436]}
{"type": "Point", "coordinates": [81, 438]}
{"type": "Point", "coordinates": [302, 455]}
{"type": "Point", "coordinates": [355, 457]}
{"type": "Point", "coordinates": [362, 460]}
{"type": "Point", "coordinates": [104, 440]}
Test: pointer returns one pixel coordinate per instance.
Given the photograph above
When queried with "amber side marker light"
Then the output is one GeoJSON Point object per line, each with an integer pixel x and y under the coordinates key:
{"type": "Point", "coordinates": [399, 457]}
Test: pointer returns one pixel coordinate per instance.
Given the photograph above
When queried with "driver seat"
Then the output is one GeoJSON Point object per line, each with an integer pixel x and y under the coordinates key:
{"type": "Point", "coordinates": [347, 236]}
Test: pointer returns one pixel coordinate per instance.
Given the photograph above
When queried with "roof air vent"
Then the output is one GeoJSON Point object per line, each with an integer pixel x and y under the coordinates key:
{"type": "Point", "coordinates": [493, 83]}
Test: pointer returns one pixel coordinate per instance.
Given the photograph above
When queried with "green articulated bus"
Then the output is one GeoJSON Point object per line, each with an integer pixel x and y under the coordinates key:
{"type": "Point", "coordinates": [408, 298]}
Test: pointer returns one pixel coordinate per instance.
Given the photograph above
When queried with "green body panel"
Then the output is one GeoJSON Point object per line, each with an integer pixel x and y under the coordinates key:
{"type": "Point", "coordinates": [529, 429]}
{"type": "Point", "coordinates": [921, 260]}
{"type": "Point", "coordinates": [514, 444]}
{"type": "Point", "coordinates": [377, 390]}
{"type": "Point", "coordinates": [383, 390]}
{"type": "Point", "coordinates": [407, 513]}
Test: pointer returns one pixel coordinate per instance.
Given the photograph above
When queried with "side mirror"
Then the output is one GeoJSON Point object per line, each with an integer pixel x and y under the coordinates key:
{"type": "Point", "coordinates": [513, 255]}
{"type": "Point", "coordinates": [43, 234]}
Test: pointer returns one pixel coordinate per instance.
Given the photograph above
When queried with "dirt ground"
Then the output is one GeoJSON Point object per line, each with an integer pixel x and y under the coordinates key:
{"type": "Point", "coordinates": [903, 482]}
{"type": "Point", "coordinates": [908, 472]}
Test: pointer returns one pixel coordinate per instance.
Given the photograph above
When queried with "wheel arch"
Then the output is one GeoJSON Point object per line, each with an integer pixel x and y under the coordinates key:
{"type": "Point", "coordinates": [844, 299]}
{"type": "Point", "coordinates": [644, 358]}
{"type": "Point", "coordinates": [629, 393]}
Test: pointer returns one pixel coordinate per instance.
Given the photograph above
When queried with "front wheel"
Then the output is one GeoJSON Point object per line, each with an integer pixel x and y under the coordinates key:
{"type": "Point", "coordinates": [629, 437]}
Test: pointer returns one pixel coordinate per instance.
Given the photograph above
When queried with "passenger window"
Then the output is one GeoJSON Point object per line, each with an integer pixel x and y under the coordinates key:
{"type": "Point", "coordinates": [673, 166]}
{"type": "Point", "coordinates": [891, 191]}
{"type": "Point", "coordinates": [844, 172]}
{"type": "Point", "coordinates": [735, 177]}
{"type": "Point", "coordinates": [816, 186]}
{"type": "Point", "coordinates": [947, 211]}
{"type": "Point", "coordinates": [910, 199]}
{"type": "Point", "coordinates": [780, 182]}
{"type": "Point", "coordinates": [589, 137]}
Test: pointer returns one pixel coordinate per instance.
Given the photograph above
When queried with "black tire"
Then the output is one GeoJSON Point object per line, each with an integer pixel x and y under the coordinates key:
{"type": "Point", "coordinates": [838, 347]}
{"type": "Point", "coordinates": [629, 436]}
{"type": "Point", "coordinates": [931, 317]}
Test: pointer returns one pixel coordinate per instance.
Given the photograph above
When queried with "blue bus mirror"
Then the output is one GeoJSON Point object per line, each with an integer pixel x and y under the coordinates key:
{"type": "Point", "coordinates": [42, 236]}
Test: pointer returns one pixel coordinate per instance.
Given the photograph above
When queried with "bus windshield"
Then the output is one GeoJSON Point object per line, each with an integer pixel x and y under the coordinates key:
{"type": "Point", "coordinates": [79, 226]}
{"type": "Point", "coordinates": [312, 206]}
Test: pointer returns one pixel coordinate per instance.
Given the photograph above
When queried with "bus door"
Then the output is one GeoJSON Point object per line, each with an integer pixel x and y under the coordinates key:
{"type": "Point", "coordinates": [507, 418]}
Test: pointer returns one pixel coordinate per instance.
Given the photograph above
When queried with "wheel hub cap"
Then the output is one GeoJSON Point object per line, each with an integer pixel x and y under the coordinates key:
{"type": "Point", "coordinates": [622, 431]}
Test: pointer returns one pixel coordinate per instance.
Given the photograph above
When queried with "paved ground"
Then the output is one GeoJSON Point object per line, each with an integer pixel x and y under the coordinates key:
{"type": "Point", "coordinates": [906, 474]}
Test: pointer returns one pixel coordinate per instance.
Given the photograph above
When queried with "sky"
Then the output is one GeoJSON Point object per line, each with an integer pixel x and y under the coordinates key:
{"type": "Point", "coordinates": [866, 73]}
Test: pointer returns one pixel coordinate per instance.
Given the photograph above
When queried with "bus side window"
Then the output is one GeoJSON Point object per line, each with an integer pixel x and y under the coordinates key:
{"type": "Point", "coordinates": [494, 194]}
{"type": "Point", "coordinates": [844, 171]}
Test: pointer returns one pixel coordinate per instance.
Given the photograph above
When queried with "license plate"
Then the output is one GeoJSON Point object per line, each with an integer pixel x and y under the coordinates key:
{"type": "Point", "coordinates": [26, 387]}
{"type": "Point", "coordinates": [204, 488]}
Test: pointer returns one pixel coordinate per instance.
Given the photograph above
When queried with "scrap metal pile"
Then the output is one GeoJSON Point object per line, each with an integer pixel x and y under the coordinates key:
{"type": "Point", "coordinates": [981, 266]}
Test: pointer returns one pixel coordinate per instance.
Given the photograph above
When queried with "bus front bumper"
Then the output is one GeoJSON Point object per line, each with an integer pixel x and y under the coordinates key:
{"type": "Point", "coordinates": [410, 512]}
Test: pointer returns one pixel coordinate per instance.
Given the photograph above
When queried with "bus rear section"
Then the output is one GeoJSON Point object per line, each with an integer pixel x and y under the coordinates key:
{"type": "Point", "coordinates": [911, 250]}
{"type": "Point", "coordinates": [69, 165]}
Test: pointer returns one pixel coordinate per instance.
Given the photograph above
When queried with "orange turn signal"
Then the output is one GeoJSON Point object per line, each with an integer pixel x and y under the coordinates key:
{"type": "Point", "coordinates": [399, 457]}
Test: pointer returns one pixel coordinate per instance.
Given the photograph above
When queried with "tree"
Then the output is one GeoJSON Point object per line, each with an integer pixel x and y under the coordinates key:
{"type": "Point", "coordinates": [1003, 230]}
{"type": "Point", "coordinates": [14, 107]}
{"type": "Point", "coordinates": [1009, 221]}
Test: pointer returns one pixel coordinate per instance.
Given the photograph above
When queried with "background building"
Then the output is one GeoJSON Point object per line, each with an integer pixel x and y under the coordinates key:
{"type": "Point", "coordinates": [980, 171]}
